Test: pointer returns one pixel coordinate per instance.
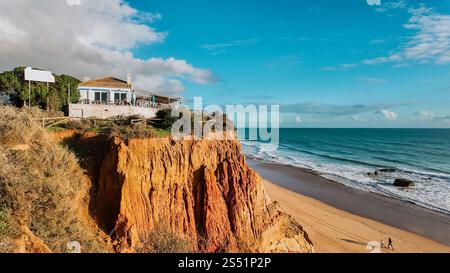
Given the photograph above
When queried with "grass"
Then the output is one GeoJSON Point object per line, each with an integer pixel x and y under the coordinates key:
{"type": "Point", "coordinates": [43, 188]}
{"type": "Point", "coordinates": [56, 129]}
{"type": "Point", "coordinates": [43, 185]}
{"type": "Point", "coordinates": [8, 231]}
{"type": "Point", "coordinates": [126, 130]}
{"type": "Point", "coordinates": [137, 131]}
{"type": "Point", "coordinates": [162, 133]}
{"type": "Point", "coordinates": [7, 227]}
{"type": "Point", "coordinates": [122, 129]}
{"type": "Point", "coordinates": [162, 240]}
{"type": "Point", "coordinates": [79, 150]}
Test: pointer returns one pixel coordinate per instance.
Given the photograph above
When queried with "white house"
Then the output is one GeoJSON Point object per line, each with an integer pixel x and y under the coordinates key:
{"type": "Point", "coordinates": [108, 90]}
{"type": "Point", "coordinates": [110, 97]}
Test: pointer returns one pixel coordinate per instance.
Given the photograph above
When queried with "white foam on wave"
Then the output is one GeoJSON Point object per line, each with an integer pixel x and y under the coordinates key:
{"type": "Point", "coordinates": [432, 189]}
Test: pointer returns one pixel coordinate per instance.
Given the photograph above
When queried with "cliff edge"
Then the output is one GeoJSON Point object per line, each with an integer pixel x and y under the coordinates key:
{"type": "Point", "coordinates": [106, 194]}
{"type": "Point", "coordinates": [202, 190]}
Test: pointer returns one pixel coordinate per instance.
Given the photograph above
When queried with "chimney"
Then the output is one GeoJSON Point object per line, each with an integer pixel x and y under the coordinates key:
{"type": "Point", "coordinates": [129, 79]}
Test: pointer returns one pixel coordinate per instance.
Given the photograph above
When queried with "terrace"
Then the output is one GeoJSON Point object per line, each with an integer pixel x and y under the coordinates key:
{"type": "Point", "coordinates": [111, 97]}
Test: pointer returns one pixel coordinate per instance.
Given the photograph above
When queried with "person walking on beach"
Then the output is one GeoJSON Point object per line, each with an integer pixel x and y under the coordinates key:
{"type": "Point", "coordinates": [390, 245]}
{"type": "Point", "coordinates": [382, 244]}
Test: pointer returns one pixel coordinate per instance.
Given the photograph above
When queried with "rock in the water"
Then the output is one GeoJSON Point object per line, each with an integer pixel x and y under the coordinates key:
{"type": "Point", "coordinates": [400, 182]}
{"type": "Point", "coordinates": [387, 170]}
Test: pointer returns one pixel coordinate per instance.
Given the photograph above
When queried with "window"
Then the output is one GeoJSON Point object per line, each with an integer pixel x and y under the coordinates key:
{"type": "Point", "coordinates": [101, 96]}
{"type": "Point", "coordinates": [120, 97]}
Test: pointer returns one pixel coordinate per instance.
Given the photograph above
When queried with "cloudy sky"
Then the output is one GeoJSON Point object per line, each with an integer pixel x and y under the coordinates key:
{"type": "Point", "coordinates": [327, 63]}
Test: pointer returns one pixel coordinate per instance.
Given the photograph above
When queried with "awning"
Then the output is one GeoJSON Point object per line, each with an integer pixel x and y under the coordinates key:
{"type": "Point", "coordinates": [149, 96]}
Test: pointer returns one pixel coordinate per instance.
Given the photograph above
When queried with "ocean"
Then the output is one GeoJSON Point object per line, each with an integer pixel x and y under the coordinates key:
{"type": "Point", "coordinates": [347, 156]}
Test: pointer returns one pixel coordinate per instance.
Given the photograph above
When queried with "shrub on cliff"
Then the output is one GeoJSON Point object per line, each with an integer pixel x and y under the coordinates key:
{"type": "Point", "coordinates": [132, 131]}
{"type": "Point", "coordinates": [81, 125]}
{"type": "Point", "coordinates": [42, 186]}
{"type": "Point", "coordinates": [8, 230]}
{"type": "Point", "coordinates": [166, 119]}
{"type": "Point", "coordinates": [163, 240]}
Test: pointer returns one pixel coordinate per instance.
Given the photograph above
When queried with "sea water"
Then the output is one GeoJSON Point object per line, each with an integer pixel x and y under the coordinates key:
{"type": "Point", "coordinates": [347, 156]}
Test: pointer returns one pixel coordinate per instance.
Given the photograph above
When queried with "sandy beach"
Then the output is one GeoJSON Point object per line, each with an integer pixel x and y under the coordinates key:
{"type": "Point", "coordinates": [339, 219]}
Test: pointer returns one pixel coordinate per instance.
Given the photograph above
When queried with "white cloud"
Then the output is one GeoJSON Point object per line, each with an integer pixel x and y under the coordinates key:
{"type": "Point", "coordinates": [357, 118]}
{"type": "Point", "coordinates": [426, 115]}
{"type": "Point", "coordinates": [301, 39]}
{"type": "Point", "coordinates": [373, 80]}
{"type": "Point", "coordinates": [340, 67]}
{"type": "Point", "coordinates": [73, 2]}
{"type": "Point", "coordinates": [285, 60]}
{"type": "Point", "coordinates": [380, 60]}
{"type": "Point", "coordinates": [377, 41]}
{"type": "Point", "coordinates": [445, 118]}
{"type": "Point", "coordinates": [10, 32]}
{"type": "Point", "coordinates": [298, 119]}
{"type": "Point", "coordinates": [373, 2]}
{"type": "Point", "coordinates": [429, 44]}
{"type": "Point", "coordinates": [389, 115]}
{"type": "Point", "coordinates": [237, 43]}
{"type": "Point", "coordinates": [391, 6]}
{"type": "Point", "coordinates": [94, 39]}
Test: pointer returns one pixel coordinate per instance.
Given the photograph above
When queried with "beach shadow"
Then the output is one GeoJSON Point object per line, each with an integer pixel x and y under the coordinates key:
{"type": "Point", "coordinates": [354, 242]}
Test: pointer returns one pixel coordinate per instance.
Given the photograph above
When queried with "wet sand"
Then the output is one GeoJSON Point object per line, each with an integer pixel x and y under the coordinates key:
{"type": "Point", "coordinates": [357, 216]}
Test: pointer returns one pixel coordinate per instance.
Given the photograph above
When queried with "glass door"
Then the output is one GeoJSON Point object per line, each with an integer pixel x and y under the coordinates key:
{"type": "Point", "coordinates": [104, 97]}
{"type": "Point", "coordinates": [101, 97]}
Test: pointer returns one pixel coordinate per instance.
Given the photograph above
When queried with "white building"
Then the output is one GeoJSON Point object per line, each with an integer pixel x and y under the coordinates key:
{"type": "Point", "coordinates": [106, 91]}
{"type": "Point", "coordinates": [111, 97]}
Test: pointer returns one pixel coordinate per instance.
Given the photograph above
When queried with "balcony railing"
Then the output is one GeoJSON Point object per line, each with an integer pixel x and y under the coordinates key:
{"type": "Point", "coordinates": [138, 103]}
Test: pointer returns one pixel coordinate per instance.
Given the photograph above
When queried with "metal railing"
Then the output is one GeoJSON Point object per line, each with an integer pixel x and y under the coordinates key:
{"type": "Point", "coordinates": [143, 104]}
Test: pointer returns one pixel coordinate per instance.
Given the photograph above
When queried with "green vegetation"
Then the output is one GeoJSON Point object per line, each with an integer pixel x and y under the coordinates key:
{"type": "Point", "coordinates": [83, 125]}
{"type": "Point", "coordinates": [166, 119]}
{"type": "Point", "coordinates": [43, 188]}
{"type": "Point", "coordinates": [43, 185]}
{"type": "Point", "coordinates": [57, 129]}
{"type": "Point", "coordinates": [213, 120]}
{"type": "Point", "coordinates": [139, 131]}
{"type": "Point", "coordinates": [73, 145]}
{"type": "Point", "coordinates": [162, 133]}
{"type": "Point", "coordinates": [120, 128]}
{"type": "Point", "coordinates": [162, 240]}
{"type": "Point", "coordinates": [7, 227]}
{"type": "Point", "coordinates": [8, 231]}
{"type": "Point", "coordinates": [13, 86]}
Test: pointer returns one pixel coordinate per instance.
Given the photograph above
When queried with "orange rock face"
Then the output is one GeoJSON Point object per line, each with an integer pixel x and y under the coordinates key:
{"type": "Point", "coordinates": [203, 190]}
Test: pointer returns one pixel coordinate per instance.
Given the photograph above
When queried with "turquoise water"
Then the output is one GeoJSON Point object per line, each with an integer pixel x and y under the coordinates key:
{"type": "Point", "coordinates": [348, 155]}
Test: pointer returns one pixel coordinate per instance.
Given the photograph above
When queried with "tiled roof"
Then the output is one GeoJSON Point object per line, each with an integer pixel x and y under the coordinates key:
{"type": "Point", "coordinates": [109, 82]}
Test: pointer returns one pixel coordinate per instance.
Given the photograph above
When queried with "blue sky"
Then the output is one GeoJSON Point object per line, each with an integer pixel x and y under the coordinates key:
{"type": "Point", "coordinates": [327, 63]}
{"type": "Point", "coordinates": [311, 57]}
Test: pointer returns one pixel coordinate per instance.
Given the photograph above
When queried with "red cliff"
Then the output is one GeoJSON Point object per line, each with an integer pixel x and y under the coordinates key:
{"type": "Point", "coordinates": [203, 190]}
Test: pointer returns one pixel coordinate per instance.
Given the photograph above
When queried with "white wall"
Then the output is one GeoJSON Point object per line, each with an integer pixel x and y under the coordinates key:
{"type": "Point", "coordinates": [89, 93]}
{"type": "Point", "coordinates": [108, 111]}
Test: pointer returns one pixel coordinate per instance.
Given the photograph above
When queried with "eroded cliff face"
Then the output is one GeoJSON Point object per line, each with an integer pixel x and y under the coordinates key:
{"type": "Point", "coordinates": [203, 190]}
